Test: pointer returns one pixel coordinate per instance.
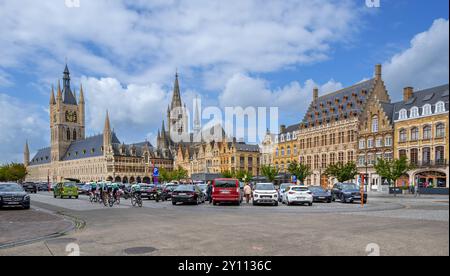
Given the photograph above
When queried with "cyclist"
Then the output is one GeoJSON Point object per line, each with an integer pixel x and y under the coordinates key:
{"type": "Point", "coordinates": [115, 189]}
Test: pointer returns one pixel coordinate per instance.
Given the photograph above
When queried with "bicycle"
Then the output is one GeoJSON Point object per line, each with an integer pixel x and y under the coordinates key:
{"type": "Point", "coordinates": [136, 199]}
{"type": "Point", "coordinates": [93, 197]}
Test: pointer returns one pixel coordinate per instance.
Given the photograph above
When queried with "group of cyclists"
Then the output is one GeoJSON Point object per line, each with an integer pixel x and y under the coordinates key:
{"type": "Point", "coordinates": [109, 193]}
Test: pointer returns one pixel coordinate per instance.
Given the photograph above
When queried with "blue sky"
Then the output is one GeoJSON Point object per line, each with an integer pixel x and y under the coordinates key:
{"type": "Point", "coordinates": [249, 53]}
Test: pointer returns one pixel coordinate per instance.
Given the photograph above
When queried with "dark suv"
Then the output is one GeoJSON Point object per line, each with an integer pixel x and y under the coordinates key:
{"type": "Point", "coordinates": [30, 187]}
{"type": "Point", "coordinates": [347, 192]}
{"type": "Point", "coordinates": [13, 195]}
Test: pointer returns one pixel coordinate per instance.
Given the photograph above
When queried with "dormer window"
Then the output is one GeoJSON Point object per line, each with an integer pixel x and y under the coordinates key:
{"type": "Point", "coordinates": [440, 107]}
{"type": "Point", "coordinates": [426, 110]}
{"type": "Point", "coordinates": [288, 137]}
{"type": "Point", "coordinates": [414, 112]}
{"type": "Point", "coordinates": [403, 115]}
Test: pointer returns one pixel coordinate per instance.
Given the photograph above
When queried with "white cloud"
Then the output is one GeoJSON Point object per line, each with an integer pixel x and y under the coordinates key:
{"type": "Point", "coordinates": [134, 110]}
{"type": "Point", "coordinates": [19, 122]}
{"type": "Point", "coordinates": [292, 99]}
{"type": "Point", "coordinates": [424, 64]}
{"type": "Point", "coordinates": [144, 41]}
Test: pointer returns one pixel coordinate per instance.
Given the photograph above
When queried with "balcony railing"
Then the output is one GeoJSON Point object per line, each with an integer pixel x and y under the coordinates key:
{"type": "Point", "coordinates": [431, 163]}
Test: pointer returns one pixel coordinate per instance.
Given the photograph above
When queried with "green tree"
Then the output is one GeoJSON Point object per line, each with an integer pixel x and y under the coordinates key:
{"type": "Point", "coordinates": [13, 172]}
{"type": "Point", "coordinates": [244, 176]}
{"type": "Point", "coordinates": [342, 172]}
{"type": "Point", "coordinates": [227, 174]}
{"type": "Point", "coordinates": [165, 175]}
{"type": "Point", "coordinates": [270, 172]}
{"type": "Point", "coordinates": [392, 170]}
{"type": "Point", "coordinates": [180, 173]}
{"type": "Point", "coordinates": [301, 171]}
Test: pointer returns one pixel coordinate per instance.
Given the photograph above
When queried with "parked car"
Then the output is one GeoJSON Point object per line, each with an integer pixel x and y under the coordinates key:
{"type": "Point", "coordinates": [203, 187]}
{"type": "Point", "coordinates": [226, 190]}
{"type": "Point", "coordinates": [265, 193]}
{"type": "Point", "coordinates": [320, 194]}
{"type": "Point", "coordinates": [298, 195]}
{"type": "Point", "coordinates": [282, 189]}
{"type": "Point", "coordinates": [66, 189]}
{"type": "Point", "coordinates": [167, 191]}
{"type": "Point", "coordinates": [188, 194]}
{"type": "Point", "coordinates": [347, 193]}
{"type": "Point", "coordinates": [30, 187]}
{"type": "Point", "coordinates": [42, 187]}
{"type": "Point", "coordinates": [84, 189]}
{"type": "Point", "coordinates": [13, 195]}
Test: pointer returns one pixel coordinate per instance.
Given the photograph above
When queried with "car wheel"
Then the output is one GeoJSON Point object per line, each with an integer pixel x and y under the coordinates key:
{"type": "Point", "coordinates": [214, 203]}
{"type": "Point", "coordinates": [310, 204]}
{"type": "Point", "coordinates": [333, 198]}
{"type": "Point", "coordinates": [54, 196]}
{"type": "Point", "coordinates": [26, 207]}
{"type": "Point", "coordinates": [343, 199]}
{"type": "Point", "coordinates": [275, 204]}
{"type": "Point", "coordinates": [174, 203]}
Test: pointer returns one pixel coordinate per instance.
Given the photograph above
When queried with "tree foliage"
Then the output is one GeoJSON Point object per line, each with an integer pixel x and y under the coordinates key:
{"type": "Point", "coordinates": [13, 172]}
{"type": "Point", "coordinates": [392, 169]}
{"type": "Point", "coordinates": [301, 171]}
{"type": "Point", "coordinates": [270, 172]}
{"type": "Point", "coordinates": [342, 172]}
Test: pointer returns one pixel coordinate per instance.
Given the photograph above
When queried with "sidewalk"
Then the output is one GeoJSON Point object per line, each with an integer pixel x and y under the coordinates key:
{"type": "Point", "coordinates": [19, 227]}
{"type": "Point", "coordinates": [406, 196]}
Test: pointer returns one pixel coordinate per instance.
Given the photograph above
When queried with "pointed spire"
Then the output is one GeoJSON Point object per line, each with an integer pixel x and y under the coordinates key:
{"type": "Point", "coordinates": [107, 127]}
{"type": "Point", "coordinates": [26, 149]}
{"type": "Point", "coordinates": [59, 92]}
{"type": "Point", "coordinates": [197, 123]}
{"type": "Point", "coordinates": [176, 98]}
{"type": "Point", "coordinates": [163, 129]}
{"type": "Point", "coordinates": [81, 94]}
{"type": "Point", "coordinates": [52, 96]}
{"type": "Point", "coordinates": [68, 96]}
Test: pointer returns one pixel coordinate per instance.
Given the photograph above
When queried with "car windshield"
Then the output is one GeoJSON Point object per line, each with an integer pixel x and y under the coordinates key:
{"type": "Point", "coordinates": [225, 184]}
{"type": "Point", "coordinates": [10, 188]}
{"type": "Point", "coordinates": [265, 187]}
{"type": "Point", "coordinates": [202, 186]}
{"type": "Point", "coordinates": [316, 189]}
{"type": "Point", "coordinates": [284, 186]}
{"type": "Point", "coordinates": [171, 187]}
{"type": "Point", "coordinates": [299, 189]}
{"type": "Point", "coordinates": [346, 187]}
{"type": "Point", "coordinates": [185, 188]}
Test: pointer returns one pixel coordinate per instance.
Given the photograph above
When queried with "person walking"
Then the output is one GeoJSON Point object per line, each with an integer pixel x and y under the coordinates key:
{"type": "Point", "coordinates": [416, 190]}
{"type": "Point", "coordinates": [247, 192]}
{"type": "Point", "coordinates": [209, 192]}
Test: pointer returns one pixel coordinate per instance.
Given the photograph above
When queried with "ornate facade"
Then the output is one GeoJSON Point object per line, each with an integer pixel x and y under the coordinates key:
{"type": "Point", "coordinates": [286, 147]}
{"type": "Point", "coordinates": [421, 135]}
{"type": "Point", "coordinates": [73, 156]}
{"type": "Point", "coordinates": [329, 131]}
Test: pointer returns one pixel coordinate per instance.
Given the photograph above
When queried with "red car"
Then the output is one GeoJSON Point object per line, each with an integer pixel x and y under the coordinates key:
{"type": "Point", "coordinates": [226, 191]}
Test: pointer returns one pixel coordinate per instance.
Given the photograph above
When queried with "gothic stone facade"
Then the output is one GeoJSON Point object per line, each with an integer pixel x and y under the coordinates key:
{"type": "Point", "coordinates": [73, 156]}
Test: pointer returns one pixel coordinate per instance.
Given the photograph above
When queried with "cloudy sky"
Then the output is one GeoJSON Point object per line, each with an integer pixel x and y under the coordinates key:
{"type": "Point", "coordinates": [236, 52]}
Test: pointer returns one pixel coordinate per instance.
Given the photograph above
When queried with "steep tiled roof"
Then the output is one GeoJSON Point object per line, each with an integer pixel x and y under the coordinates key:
{"type": "Point", "coordinates": [247, 147]}
{"type": "Point", "coordinates": [420, 98]}
{"type": "Point", "coordinates": [89, 147]}
{"type": "Point", "coordinates": [346, 102]}
{"type": "Point", "coordinates": [41, 157]}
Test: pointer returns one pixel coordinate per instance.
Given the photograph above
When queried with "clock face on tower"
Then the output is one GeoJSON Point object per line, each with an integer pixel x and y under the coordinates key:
{"type": "Point", "coordinates": [71, 116]}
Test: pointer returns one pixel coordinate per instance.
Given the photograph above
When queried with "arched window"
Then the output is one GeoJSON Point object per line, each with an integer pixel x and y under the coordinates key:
{"type": "Point", "coordinates": [427, 132]}
{"type": "Point", "coordinates": [414, 112]}
{"type": "Point", "coordinates": [403, 135]}
{"type": "Point", "coordinates": [440, 130]}
{"type": "Point", "coordinates": [426, 110]}
{"type": "Point", "coordinates": [375, 124]}
{"type": "Point", "coordinates": [289, 150]}
{"type": "Point", "coordinates": [440, 107]}
{"type": "Point", "coordinates": [403, 114]}
{"type": "Point", "coordinates": [414, 156]}
{"type": "Point", "coordinates": [414, 134]}
{"type": "Point", "coordinates": [439, 155]}
{"type": "Point", "coordinates": [74, 137]}
{"type": "Point", "coordinates": [68, 134]}
{"type": "Point", "coordinates": [282, 151]}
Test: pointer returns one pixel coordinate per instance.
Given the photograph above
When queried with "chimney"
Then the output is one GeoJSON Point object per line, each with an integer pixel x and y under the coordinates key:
{"type": "Point", "coordinates": [315, 93]}
{"type": "Point", "coordinates": [407, 93]}
{"type": "Point", "coordinates": [282, 129]}
{"type": "Point", "coordinates": [378, 71]}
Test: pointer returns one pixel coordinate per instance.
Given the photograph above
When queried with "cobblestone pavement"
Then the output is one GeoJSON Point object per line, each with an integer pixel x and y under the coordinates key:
{"type": "Point", "coordinates": [396, 226]}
